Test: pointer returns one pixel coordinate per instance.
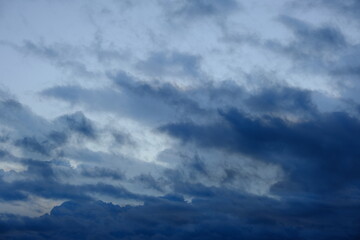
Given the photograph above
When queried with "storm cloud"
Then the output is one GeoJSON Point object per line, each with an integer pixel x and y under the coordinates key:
{"type": "Point", "coordinates": [179, 120]}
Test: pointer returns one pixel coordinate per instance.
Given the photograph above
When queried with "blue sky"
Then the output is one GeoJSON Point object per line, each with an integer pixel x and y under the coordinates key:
{"type": "Point", "coordinates": [180, 119]}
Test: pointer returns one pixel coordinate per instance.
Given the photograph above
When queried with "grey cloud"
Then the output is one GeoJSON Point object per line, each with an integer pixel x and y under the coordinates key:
{"type": "Point", "coordinates": [323, 51]}
{"type": "Point", "coordinates": [77, 122]}
{"type": "Point", "coordinates": [162, 64]}
{"type": "Point", "coordinates": [205, 8]}
{"type": "Point", "coordinates": [123, 138]}
{"type": "Point", "coordinates": [344, 8]}
{"type": "Point", "coordinates": [324, 37]}
{"type": "Point", "coordinates": [312, 45]}
{"type": "Point", "coordinates": [99, 172]}
{"type": "Point", "coordinates": [285, 99]}
{"type": "Point", "coordinates": [32, 144]}
{"type": "Point", "coordinates": [141, 99]}
{"type": "Point", "coordinates": [15, 115]}
{"type": "Point", "coordinates": [248, 158]}
{"type": "Point", "coordinates": [44, 168]}
{"type": "Point", "coordinates": [66, 57]}
{"type": "Point", "coordinates": [150, 182]}
{"type": "Point", "coordinates": [316, 154]}
{"type": "Point", "coordinates": [170, 217]}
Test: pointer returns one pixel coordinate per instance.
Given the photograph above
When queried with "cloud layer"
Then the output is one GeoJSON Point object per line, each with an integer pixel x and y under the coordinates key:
{"type": "Point", "coordinates": [179, 119]}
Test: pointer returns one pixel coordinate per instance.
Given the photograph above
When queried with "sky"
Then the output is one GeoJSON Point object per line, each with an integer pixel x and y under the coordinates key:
{"type": "Point", "coordinates": [180, 119]}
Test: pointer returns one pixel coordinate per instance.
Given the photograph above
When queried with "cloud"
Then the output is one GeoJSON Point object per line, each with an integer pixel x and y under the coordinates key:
{"type": "Point", "coordinates": [16, 116]}
{"type": "Point", "coordinates": [98, 172]}
{"type": "Point", "coordinates": [31, 144]}
{"type": "Point", "coordinates": [324, 51]}
{"type": "Point", "coordinates": [182, 120]}
{"type": "Point", "coordinates": [324, 37]}
{"type": "Point", "coordinates": [9, 194]}
{"type": "Point", "coordinates": [202, 8]}
{"type": "Point", "coordinates": [225, 215]}
{"type": "Point", "coordinates": [37, 154]}
{"type": "Point", "coordinates": [140, 99]}
{"type": "Point", "coordinates": [64, 56]}
{"type": "Point", "coordinates": [284, 99]}
{"type": "Point", "coordinates": [132, 98]}
{"type": "Point", "coordinates": [77, 122]}
{"type": "Point", "coordinates": [318, 154]}
{"type": "Point", "coordinates": [160, 64]}
{"type": "Point", "coordinates": [345, 8]}
{"type": "Point", "coordinates": [313, 47]}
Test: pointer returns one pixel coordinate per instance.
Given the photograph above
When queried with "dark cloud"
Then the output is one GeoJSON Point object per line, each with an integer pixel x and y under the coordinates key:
{"type": "Point", "coordinates": [249, 123]}
{"type": "Point", "coordinates": [33, 134]}
{"type": "Point", "coordinates": [46, 185]}
{"type": "Point", "coordinates": [248, 158]}
{"type": "Point", "coordinates": [98, 172]}
{"type": "Point", "coordinates": [10, 194]}
{"type": "Point", "coordinates": [226, 215]}
{"type": "Point", "coordinates": [2, 153]}
{"type": "Point", "coordinates": [78, 123]}
{"type": "Point", "coordinates": [46, 179]}
{"type": "Point", "coordinates": [41, 169]}
{"type": "Point", "coordinates": [285, 99]}
{"type": "Point", "coordinates": [31, 144]}
{"type": "Point", "coordinates": [58, 137]}
{"type": "Point", "coordinates": [149, 182]}
{"type": "Point", "coordinates": [319, 154]}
